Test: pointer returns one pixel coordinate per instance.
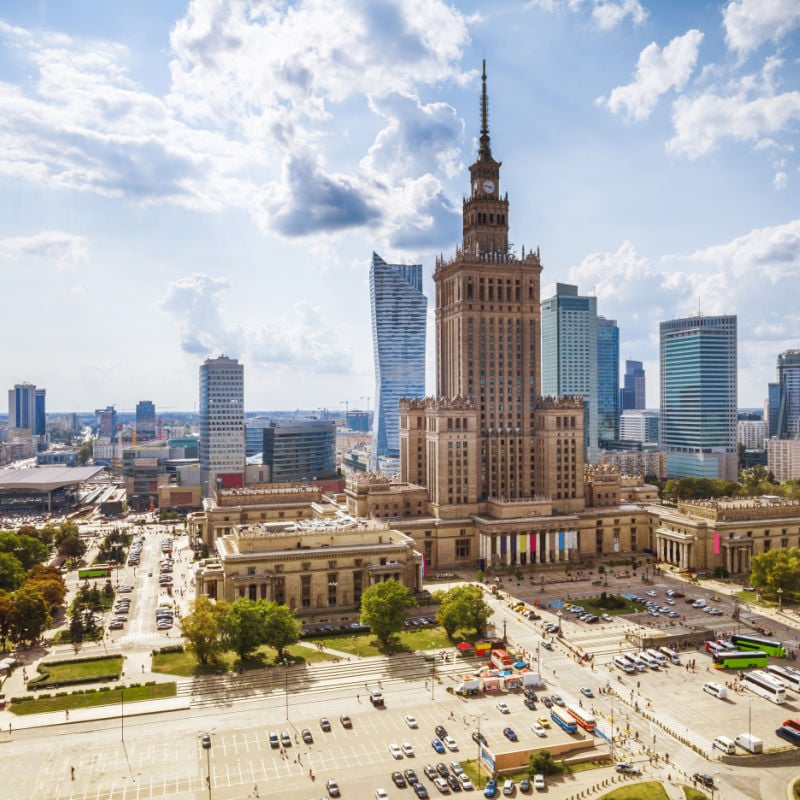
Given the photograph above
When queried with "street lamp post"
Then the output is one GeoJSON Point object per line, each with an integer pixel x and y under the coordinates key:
{"type": "Point", "coordinates": [208, 770]}
{"type": "Point", "coordinates": [780, 599]}
{"type": "Point", "coordinates": [612, 727]}
{"type": "Point", "coordinates": [122, 712]}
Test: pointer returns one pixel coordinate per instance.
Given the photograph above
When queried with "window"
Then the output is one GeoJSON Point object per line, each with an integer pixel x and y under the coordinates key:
{"type": "Point", "coordinates": [463, 548]}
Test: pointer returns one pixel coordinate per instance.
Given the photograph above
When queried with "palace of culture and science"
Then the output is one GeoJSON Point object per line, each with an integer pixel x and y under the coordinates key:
{"type": "Point", "coordinates": [492, 474]}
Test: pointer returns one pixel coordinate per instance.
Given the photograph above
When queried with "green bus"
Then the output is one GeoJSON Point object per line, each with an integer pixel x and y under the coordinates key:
{"type": "Point", "coordinates": [770, 646]}
{"type": "Point", "coordinates": [740, 659]}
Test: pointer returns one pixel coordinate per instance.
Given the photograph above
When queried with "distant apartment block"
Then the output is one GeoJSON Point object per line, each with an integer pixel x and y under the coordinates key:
{"type": "Point", "coordinates": [145, 421]}
{"type": "Point", "coordinates": [788, 423]}
{"type": "Point", "coordinates": [752, 433]}
{"type": "Point", "coordinates": [783, 459]}
{"type": "Point", "coordinates": [639, 426]}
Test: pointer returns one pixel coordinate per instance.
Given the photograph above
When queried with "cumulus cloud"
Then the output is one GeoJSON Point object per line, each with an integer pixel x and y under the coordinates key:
{"type": "Point", "coordinates": [61, 249]}
{"type": "Point", "coordinates": [780, 180]}
{"type": "Point", "coordinates": [606, 14]}
{"type": "Point", "coordinates": [750, 23]}
{"type": "Point", "coordinates": [259, 94]}
{"type": "Point", "coordinates": [657, 72]}
{"type": "Point", "coordinates": [301, 341]}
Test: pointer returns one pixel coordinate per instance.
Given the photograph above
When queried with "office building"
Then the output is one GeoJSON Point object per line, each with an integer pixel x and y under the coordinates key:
{"type": "Point", "coordinates": [698, 397]}
{"type": "Point", "coordinates": [607, 381]}
{"type": "Point", "coordinates": [399, 316]}
{"type": "Point", "coordinates": [145, 421]}
{"type": "Point", "coordinates": [360, 421]}
{"type": "Point", "coordinates": [772, 406]}
{"type": "Point", "coordinates": [22, 407]}
{"type": "Point", "coordinates": [254, 436]}
{"type": "Point", "coordinates": [632, 393]}
{"type": "Point", "coordinates": [639, 426]}
{"type": "Point", "coordinates": [40, 417]}
{"type": "Point", "coordinates": [106, 423]}
{"type": "Point", "coordinates": [569, 355]}
{"type": "Point", "coordinates": [221, 412]}
{"type": "Point", "coordinates": [300, 450]}
{"type": "Point", "coordinates": [788, 424]}
{"type": "Point", "coordinates": [783, 459]}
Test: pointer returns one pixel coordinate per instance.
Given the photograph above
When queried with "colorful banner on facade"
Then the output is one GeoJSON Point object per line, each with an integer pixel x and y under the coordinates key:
{"type": "Point", "coordinates": [716, 543]}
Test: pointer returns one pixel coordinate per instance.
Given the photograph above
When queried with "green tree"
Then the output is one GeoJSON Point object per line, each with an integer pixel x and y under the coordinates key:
{"type": "Point", "coordinates": [12, 573]}
{"type": "Point", "coordinates": [383, 608]}
{"type": "Point", "coordinates": [6, 617]}
{"type": "Point", "coordinates": [85, 451]}
{"type": "Point", "coordinates": [30, 615]}
{"type": "Point", "coordinates": [776, 569]}
{"type": "Point", "coordinates": [202, 628]}
{"type": "Point", "coordinates": [28, 550]}
{"type": "Point", "coordinates": [462, 608]}
{"type": "Point", "coordinates": [72, 547]}
{"type": "Point", "coordinates": [76, 627]}
{"type": "Point", "coordinates": [543, 764]}
{"type": "Point", "coordinates": [243, 628]}
{"type": "Point", "coordinates": [282, 627]}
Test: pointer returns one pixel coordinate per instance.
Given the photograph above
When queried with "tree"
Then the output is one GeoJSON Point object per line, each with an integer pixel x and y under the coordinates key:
{"type": "Point", "coordinates": [49, 580]}
{"type": "Point", "coordinates": [28, 550]}
{"type": "Point", "coordinates": [243, 628]}
{"type": "Point", "coordinates": [383, 607]}
{"type": "Point", "coordinates": [12, 573]}
{"type": "Point", "coordinates": [462, 607]}
{"type": "Point", "coordinates": [6, 617]}
{"type": "Point", "coordinates": [776, 569]}
{"type": "Point", "coordinates": [71, 547]}
{"type": "Point", "coordinates": [76, 627]}
{"type": "Point", "coordinates": [542, 763]}
{"type": "Point", "coordinates": [85, 451]}
{"type": "Point", "coordinates": [202, 628]}
{"type": "Point", "coordinates": [282, 627]}
{"type": "Point", "coordinates": [30, 616]}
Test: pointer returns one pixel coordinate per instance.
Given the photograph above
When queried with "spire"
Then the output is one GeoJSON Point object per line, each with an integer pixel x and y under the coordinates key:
{"type": "Point", "coordinates": [485, 150]}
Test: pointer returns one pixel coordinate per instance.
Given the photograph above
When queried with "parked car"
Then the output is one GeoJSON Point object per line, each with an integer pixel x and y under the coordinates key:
{"type": "Point", "coordinates": [510, 734]}
{"type": "Point", "coordinates": [503, 708]}
{"type": "Point", "coordinates": [491, 788]}
{"type": "Point", "coordinates": [333, 788]}
{"type": "Point", "coordinates": [346, 721]}
{"type": "Point", "coordinates": [437, 745]}
{"type": "Point", "coordinates": [325, 724]}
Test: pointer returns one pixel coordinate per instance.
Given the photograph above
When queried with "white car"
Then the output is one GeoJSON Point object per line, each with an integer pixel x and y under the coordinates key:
{"type": "Point", "coordinates": [380, 794]}
{"type": "Point", "coordinates": [450, 743]}
{"type": "Point", "coordinates": [395, 750]}
{"type": "Point", "coordinates": [503, 708]}
{"type": "Point", "coordinates": [411, 721]}
{"type": "Point", "coordinates": [538, 729]}
{"type": "Point", "coordinates": [651, 593]}
{"type": "Point", "coordinates": [466, 783]}
{"type": "Point", "coordinates": [407, 749]}
{"type": "Point", "coordinates": [538, 782]}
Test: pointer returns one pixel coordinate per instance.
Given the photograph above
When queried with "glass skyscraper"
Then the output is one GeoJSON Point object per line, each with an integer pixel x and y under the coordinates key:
{"type": "Point", "coordinates": [399, 317]}
{"type": "Point", "coordinates": [632, 393]}
{"type": "Point", "coordinates": [145, 420]}
{"type": "Point", "coordinates": [607, 380]}
{"type": "Point", "coordinates": [569, 355]}
{"type": "Point", "coordinates": [698, 397]}
{"type": "Point", "coordinates": [788, 424]}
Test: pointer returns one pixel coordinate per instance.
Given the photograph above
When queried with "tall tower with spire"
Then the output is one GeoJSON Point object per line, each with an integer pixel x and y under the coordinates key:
{"type": "Point", "coordinates": [487, 337]}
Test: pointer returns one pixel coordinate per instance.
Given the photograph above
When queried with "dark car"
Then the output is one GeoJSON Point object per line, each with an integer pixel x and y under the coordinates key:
{"type": "Point", "coordinates": [442, 769]}
{"type": "Point", "coordinates": [547, 701]}
{"type": "Point", "coordinates": [454, 783]}
{"type": "Point", "coordinates": [509, 734]}
{"type": "Point", "coordinates": [440, 731]}
{"type": "Point", "coordinates": [206, 740]}
{"type": "Point", "coordinates": [399, 780]}
{"type": "Point", "coordinates": [325, 724]}
{"type": "Point", "coordinates": [706, 780]}
{"type": "Point", "coordinates": [530, 703]}
{"type": "Point", "coordinates": [479, 738]}
{"type": "Point", "coordinates": [420, 791]}
{"type": "Point", "coordinates": [411, 776]}
{"type": "Point", "coordinates": [307, 737]}
{"type": "Point", "coordinates": [430, 771]}
{"type": "Point", "coordinates": [557, 699]}
{"type": "Point", "coordinates": [524, 785]}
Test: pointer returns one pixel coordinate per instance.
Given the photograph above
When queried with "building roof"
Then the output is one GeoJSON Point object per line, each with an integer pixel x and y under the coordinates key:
{"type": "Point", "coordinates": [45, 479]}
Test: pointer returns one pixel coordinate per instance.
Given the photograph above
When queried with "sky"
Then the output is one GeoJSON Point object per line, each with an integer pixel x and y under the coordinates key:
{"type": "Point", "coordinates": [189, 178]}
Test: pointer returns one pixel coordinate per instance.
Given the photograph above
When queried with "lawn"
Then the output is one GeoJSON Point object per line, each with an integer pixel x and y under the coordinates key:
{"type": "Point", "coordinates": [649, 790]}
{"type": "Point", "coordinates": [694, 794]}
{"type": "Point", "coordinates": [185, 664]}
{"type": "Point", "coordinates": [83, 670]}
{"type": "Point", "coordinates": [102, 697]}
{"type": "Point", "coordinates": [592, 607]}
{"type": "Point", "coordinates": [365, 644]}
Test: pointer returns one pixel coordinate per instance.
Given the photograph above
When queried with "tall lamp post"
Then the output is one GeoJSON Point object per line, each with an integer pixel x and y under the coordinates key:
{"type": "Point", "coordinates": [780, 599]}
{"type": "Point", "coordinates": [612, 727]}
{"type": "Point", "coordinates": [208, 769]}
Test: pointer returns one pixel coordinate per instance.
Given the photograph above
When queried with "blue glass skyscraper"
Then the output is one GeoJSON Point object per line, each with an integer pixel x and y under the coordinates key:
{"type": "Point", "coordinates": [399, 316]}
{"type": "Point", "coordinates": [632, 394]}
{"type": "Point", "coordinates": [698, 397]}
{"type": "Point", "coordinates": [607, 380]}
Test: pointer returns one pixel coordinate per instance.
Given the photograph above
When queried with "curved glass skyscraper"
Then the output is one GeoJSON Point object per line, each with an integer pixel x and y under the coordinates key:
{"type": "Point", "coordinates": [399, 311]}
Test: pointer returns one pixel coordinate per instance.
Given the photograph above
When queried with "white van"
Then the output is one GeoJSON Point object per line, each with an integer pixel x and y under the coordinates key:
{"type": "Point", "coordinates": [659, 657]}
{"type": "Point", "coordinates": [717, 689]}
{"type": "Point", "coordinates": [726, 745]}
{"type": "Point", "coordinates": [750, 743]}
{"type": "Point", "coordinates": [648, 659]}
{"type": "Point", "coordinates": [671, 655]}
{"type": "Point", "coordinates": [623, 664]}
{"type": "Point", "coordinates": [699, 603]}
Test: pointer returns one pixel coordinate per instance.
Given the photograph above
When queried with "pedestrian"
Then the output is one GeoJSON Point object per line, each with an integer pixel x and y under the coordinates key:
{"type": "Point", "coordinates": [72, 772]}
{"type": "Point", "coordinates": [66, 711]}
{"type": "Point", "coordinates": [358, 696]}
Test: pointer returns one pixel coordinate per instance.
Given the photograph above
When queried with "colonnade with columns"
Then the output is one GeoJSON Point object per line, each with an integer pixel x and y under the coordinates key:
{"type": "Point", "coordinates": [673, 551]}
{"type": "Point", "coordinates": [540, 547]}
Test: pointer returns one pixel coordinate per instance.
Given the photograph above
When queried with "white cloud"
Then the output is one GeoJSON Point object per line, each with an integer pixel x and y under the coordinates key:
{"type": "Point", "coordinates": [62, 249]}
{"type": "Point", "coordinates": [780, 180]}
{"type": "Point", "coordinates": [657, 72]}
{"type": "Point", "coordinates": [606, 14]}
{"type": "Point", "coordinates": [750, 23]}
{"type": "Point", "coordinates": [299, 342]}
{"type": "Point", "coordinates": [701, 122]}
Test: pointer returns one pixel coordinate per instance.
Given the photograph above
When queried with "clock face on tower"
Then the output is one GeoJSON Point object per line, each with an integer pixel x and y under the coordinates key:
{"type": "Point", "coordinates": [488, 187]}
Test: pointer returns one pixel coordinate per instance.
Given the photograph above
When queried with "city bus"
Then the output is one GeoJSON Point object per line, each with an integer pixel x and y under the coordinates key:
{"type": "Point", "coordinates": [562, 720]}
{"type": "Point", "coordinates": [761, 684]}
{"type": "Point", "coordinates": [583, 718]}
{"type": "Point", "coordinates": [739, 659]}
{"type": "Point", "coordinates": [789, 679]}
{"type": "Point", "coordinates": [771, 647]}
{"type": "Point", "coordinates": [793, 723]}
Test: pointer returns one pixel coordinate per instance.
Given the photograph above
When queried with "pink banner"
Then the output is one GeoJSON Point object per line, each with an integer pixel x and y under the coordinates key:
{"type": "Point", "coordinates": [532, 542]}
{"type": "Point", "coordinates": [716, 543]}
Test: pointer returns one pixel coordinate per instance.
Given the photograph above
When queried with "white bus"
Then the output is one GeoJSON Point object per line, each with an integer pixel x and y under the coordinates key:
{"type": "Point", "coordinates": [624, 664]}
{"type": "Point", "coordinates": [671, 655]}
{"type": "Point", "coordinates": [659, 657]}
{"type": "Point", "coordinates": [636, 662]}
{"type": "Point", "coordinates": [648, 659]}
{"type": "Point", "coordinates": [762, 684]}
{"type": "Point", "coordinates": [788, 677]}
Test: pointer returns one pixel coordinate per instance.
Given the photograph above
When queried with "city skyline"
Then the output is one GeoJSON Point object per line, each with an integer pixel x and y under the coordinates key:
{"type": "Point", "coordinates": [196, 179]}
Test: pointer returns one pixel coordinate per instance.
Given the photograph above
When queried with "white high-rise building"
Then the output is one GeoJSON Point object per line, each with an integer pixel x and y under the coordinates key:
{"type": "Point", "coordinates": [222, 438]}
{"type": "Point", "coordinates": [639, 426]}
{"type": "Point", "coordinates": [752, 433]}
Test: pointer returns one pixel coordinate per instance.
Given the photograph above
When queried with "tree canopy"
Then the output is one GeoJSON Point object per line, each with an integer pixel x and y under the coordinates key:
{"type": "Point", "coordinates": [776, 569]}
{"type": "Point", "coordinates": [462, 608]}
{"type": "Point", "coordinates": [243, 627]}
{"type": "Point", "coordinates": [282, 627]}
{"type": "Point", "coordinates": [383, 608]}
{"type": "Point", "coordinates": [202, 628]}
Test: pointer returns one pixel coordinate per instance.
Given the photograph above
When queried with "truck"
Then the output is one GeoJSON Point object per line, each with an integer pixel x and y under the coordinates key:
{"type": "Point", "coordinates": [468, 686]}
{"type": "Point", "coordinates": [750, 743]}
{"type": "Point", "coordinates": [532, 680]}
